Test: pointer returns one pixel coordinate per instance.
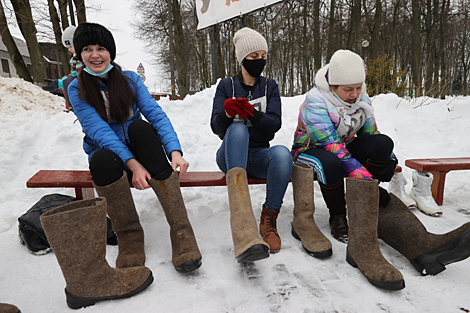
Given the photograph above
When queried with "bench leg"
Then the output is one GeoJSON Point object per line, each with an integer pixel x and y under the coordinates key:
{"type": "Point", "coordinates": [437, 186]}
{"type": "Point", "coordinates": [84, 193]}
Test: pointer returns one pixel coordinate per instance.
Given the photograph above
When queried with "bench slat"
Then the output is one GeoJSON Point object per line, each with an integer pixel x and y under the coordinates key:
{"type": "Point", "coordinates": [439, 164]}
{"type": "Point", "coordinates": [82, 179]}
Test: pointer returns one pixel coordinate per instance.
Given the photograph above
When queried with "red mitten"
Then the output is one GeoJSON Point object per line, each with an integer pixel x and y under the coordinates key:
{"type": "Point", "coordinates": [231, 106]}
{"type": "Point", "coordinates": [246, 106]}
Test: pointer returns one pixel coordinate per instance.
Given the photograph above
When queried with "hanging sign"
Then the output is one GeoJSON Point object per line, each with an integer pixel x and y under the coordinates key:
{"type": "Point", "coordinates": [210, 12]}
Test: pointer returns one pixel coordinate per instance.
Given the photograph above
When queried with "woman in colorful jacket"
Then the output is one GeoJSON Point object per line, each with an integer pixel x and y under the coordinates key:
{"type": "Point", "coordinates": [246, 114]}
{"type": "Point", "coordinates": [109, 104]}
{"type": "Point", "coordinates": [337, 135]}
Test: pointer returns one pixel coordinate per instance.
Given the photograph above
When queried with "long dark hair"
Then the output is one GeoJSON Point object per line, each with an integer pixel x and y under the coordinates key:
{"type": "Point", "coordinates": [120, 94]}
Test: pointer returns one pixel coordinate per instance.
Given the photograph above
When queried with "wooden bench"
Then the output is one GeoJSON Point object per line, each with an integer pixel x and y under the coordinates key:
{"type": "Point", "coordinates": [439, 168]}
{"type": "Point", "coordinates": [82, 183]}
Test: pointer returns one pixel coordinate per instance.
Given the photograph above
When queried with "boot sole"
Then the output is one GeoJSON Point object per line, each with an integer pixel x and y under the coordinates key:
{"type": "Point", "coordinates": [76, 302]}
{"type": "Point", "coordinates": [254, 253]}
{"type": "Point", "coordinates": [388, 285]}
{"type": "Point", "coordinates": [319, 254]}
{"type": "Point", "coordinates": [433, 262]}
{"type": "Point", "coordinates": [189, 266]}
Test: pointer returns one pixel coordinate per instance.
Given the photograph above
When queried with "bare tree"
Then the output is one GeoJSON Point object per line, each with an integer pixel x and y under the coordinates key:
{"type": "Point", "coordinates": [27, 27]}
{"type": "Point", "coordinates": [13, 51]}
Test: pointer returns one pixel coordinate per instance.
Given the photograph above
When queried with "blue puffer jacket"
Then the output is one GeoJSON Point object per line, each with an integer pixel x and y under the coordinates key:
{"type": "Point", "coordinates": [265, 124]}
{"type": "Point", "coordinates": [113, 136]}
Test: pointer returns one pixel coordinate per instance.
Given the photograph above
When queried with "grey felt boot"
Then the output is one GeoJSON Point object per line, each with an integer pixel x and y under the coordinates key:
{"type": "Point", "coordinates": [186, 256]}
{"type": "Point", "coordinates": [248, 246]}
{"type": "Point", "coordinates": [363, 246]}
{"type": "Point", "coordinates": [77, 234]}
{"type": "Point", "coordinates": [8, 308]}
{"type": "Point", "coordinates": [125, 221]}
{"type": "Point", "coordinates": [303, 224]}
{"type": "Point", "coordinates": [427, 252]}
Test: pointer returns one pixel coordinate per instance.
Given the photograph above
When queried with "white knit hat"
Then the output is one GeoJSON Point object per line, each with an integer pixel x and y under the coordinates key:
{"type": "Point", "coordinates": [67, 36]}
{"type": "Point", "coordinates": [346, 68]}
{"type": "Point", "coordinates": [247, 41]}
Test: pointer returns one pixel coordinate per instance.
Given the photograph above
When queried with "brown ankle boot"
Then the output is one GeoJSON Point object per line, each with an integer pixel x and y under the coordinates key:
{"type": "Point", "coordinates": [77, 234]}
{"type": "Point", "coordinates": [185, 252]}
{"type": "Point", "coordinates": [268, 230]}
{"type": "Point", "coordinates": [8, 308]}
{"type": "Point", "coordinates": [427, 252]}
{"type": "Point", "coordinates": [303, 224]}
{"type": "Point", "coordinates": [248, 247]}
{"type": "Point", "coordinates": [363, 246]}
{"type": "Point", "coordinates": [125, 221]}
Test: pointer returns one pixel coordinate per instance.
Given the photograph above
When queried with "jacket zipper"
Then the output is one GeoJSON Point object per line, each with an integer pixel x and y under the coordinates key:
{"type": "Point", "coordinates": [125, 136]}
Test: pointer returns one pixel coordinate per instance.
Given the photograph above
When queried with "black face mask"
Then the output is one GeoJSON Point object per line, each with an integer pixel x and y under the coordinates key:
{"type": "Point", "coordinates": [254, 67]}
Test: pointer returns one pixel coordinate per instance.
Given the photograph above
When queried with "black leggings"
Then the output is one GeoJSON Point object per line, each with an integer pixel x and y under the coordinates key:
{"type": "Point", "coordinates": [377, 148]}
{"type": "Point", "coordinates": [106, 167]}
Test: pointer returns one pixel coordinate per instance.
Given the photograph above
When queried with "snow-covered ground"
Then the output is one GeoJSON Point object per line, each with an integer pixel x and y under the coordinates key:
{"type": "Point", "coordinates": [35, 134]}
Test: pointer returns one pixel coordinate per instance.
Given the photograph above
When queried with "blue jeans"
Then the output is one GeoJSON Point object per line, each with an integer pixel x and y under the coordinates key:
{"type": "Point", "coordinates": [273, 164]}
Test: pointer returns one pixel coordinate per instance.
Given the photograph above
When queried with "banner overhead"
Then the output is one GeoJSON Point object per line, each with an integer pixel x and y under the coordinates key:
{"type": "Point", "coordinates": [210, 12]}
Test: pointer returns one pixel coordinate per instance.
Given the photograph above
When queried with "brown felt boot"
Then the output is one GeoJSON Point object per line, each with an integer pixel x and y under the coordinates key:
{"type": "Point", "coordinates": [77, 234]}
{"type": "Point", "coordinates": [8, 308]}
{"type": "Point", "coordinates": [303, 224]}
{"type": "Point", "coordinates": [363, 246]}
{"type": "Point", "coordinates": [248, 246]}
{"type": "Point", "coordinates": [268, 230]}
{"type": "Point", "coordinates": [125, 221]}
{"type": "Point", "coordinates": [186, 255]}
{"type": "Point", "coordinates": [429, 253]}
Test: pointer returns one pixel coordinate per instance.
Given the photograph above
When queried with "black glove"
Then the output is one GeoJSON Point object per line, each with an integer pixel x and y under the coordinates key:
{"type": "Point", "coordinates": [386, 174]}
{"type": "Point", "coordinates": [384, 197]}
{"type": "Point", "coordinates": [51, 85]}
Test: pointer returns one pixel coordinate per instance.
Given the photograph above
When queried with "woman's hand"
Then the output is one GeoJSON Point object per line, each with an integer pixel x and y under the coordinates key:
{"type": "Point", "coordinates": [140, 175]}
{"type": "Point", "coordinates": [178, 161]}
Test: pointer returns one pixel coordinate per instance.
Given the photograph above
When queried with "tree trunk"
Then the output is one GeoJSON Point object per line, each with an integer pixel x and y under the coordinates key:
{"type": "Point", "coordinates": [445, 79]}
{"type": "Point", "coordinates": [171, 47]}
{"type": "Point", "coordinates": [81, 11]}
{"type": "Point", "coordinates": [15, 55]}
{"type": "Point", "coordinates": [331, 32]}
{"type": "Point", "coordinates": [374, 40]}
{"type": "Point", "coordinates": [63, 13]}
{"type": "Point", "coordinates": [180, 49]}
{"type": "Point", "coordinates": [316, 36]}
{"type": "Point", "coordinates": [430, 44]}
{"type": "Point", "coordinates": [357, 26]}
{"type": "Point", "coordinates": [416, 48]}
{"type": "Point", "coordinates": [58, 37]}
{"type": "Point", "coordinates": [28, 30]}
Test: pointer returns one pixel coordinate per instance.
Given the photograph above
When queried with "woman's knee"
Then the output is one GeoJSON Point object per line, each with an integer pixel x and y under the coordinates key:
{"type": "Point", "coordinates": [237, 130]}
{"type": "Point", "coordinates": [281, 158]}
{"type": "Point", "coordinates": [106, 167]}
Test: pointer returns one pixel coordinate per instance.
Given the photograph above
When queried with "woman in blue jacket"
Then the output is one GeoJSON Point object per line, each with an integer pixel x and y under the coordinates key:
{"type": "Point", "coordinates": [246, 114]}
{"type": "Point", "coordinates": [123, 148]}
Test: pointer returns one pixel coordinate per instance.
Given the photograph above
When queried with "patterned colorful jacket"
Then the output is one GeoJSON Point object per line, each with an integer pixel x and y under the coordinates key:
{"type": "Point", "coordinates": [317, 128]}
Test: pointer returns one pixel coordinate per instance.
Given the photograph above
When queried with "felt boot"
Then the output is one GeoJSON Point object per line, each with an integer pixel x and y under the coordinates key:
{"type": "Point", "coordinates": [185, 252]}
{"type": "Point", "coordinates": [8, 308]}
{"type": "Point", "coordinates": [77, 234]}
{"type": "Point", "coordinates": [363, 246]}
{"type": "Point", "coordinates": [334, 198]}
{"type": "Point", "coordinates": [303, 224]}
{"type": "Point", "coordinates": [125, 221]}
{"type": "Point", "coordinates": [427, 252]}
{"type": "Point", "coordinates": [248, 246]}
{"type": "Point", "coordinates": [268, 230]}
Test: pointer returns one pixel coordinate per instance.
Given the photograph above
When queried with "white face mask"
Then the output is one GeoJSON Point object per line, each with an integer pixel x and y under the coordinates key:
{"type": "Point", "coordinates": [100, 75]}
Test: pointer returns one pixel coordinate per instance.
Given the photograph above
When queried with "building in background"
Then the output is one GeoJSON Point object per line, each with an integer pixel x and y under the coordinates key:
{"type": "Point", "coordinates": [53, 66]}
